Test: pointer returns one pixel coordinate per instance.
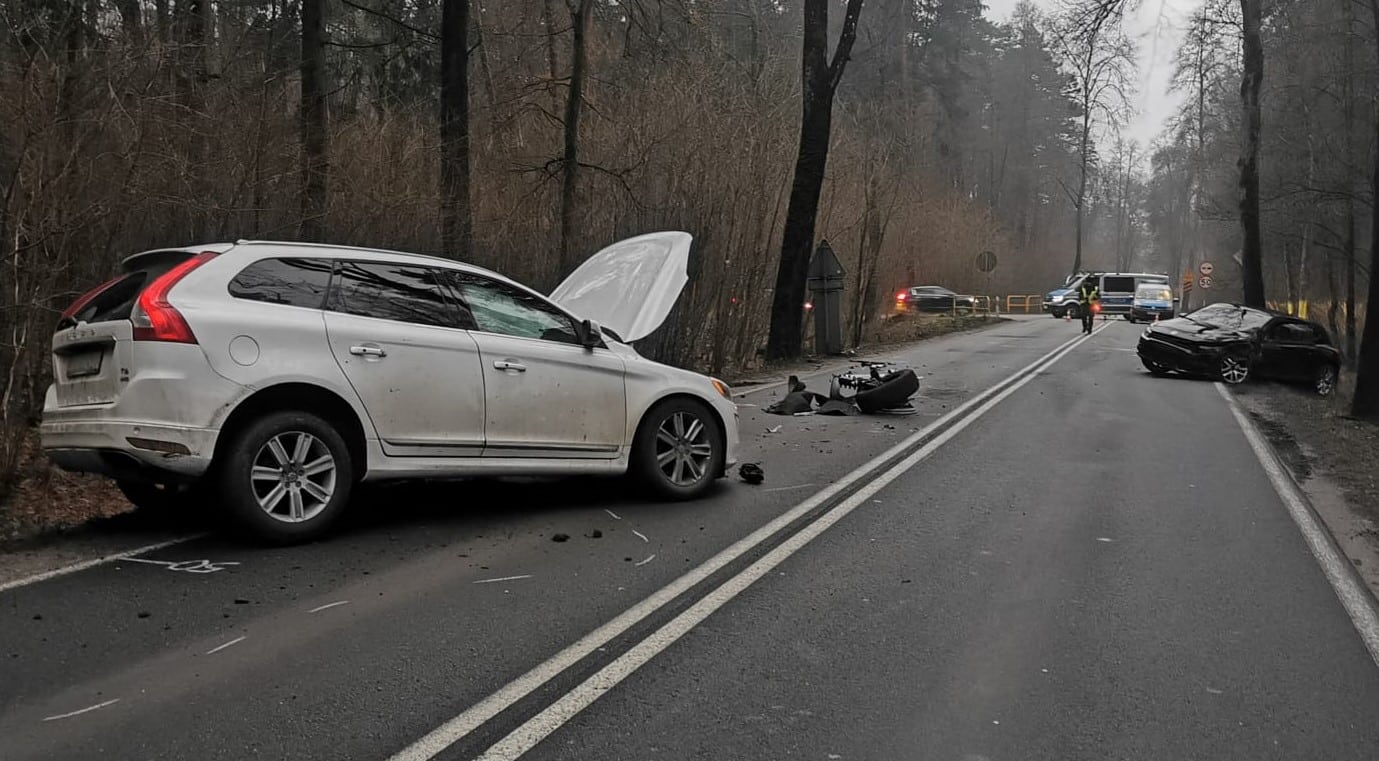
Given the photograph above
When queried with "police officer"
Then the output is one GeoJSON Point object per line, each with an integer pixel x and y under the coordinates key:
{"type": "Point", "coordinates": [1089, 298]}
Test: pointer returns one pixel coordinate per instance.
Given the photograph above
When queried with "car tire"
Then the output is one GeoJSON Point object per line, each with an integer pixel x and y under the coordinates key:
{"type": "Point", "coordinates": [679, 449]}
{"type": "Point", "coordinates": [266, 471]}
{"type": "Point", "coordinates": [1154, 368]}
{"type": "Point", "coordinates": [1324, 383]}
{"type": "Point", "coordinates": [157, 498]}
{"type": "Point", "coordinates": [1233, 368]}
{"type": "Point", "coordinates": [1073, 311]}
{"type": "Point", "coordinates": [895, 390]}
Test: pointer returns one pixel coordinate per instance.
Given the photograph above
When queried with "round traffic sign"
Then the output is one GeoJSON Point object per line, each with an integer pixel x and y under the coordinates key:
{"type": "Point", "coordinates": [1205, 282]}
{"type": "Point", "coordinates": [986, 262]}
{"type": "Point", "coordinates": [1206, 268]}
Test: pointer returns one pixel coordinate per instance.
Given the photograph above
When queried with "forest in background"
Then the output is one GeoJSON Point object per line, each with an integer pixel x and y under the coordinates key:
{"type": "Point", "coordinates": [132, 124]}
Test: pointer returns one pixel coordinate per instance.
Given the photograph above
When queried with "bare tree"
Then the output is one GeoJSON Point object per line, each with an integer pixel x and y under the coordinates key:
{"type": "Point", "coordinates": [1252, 249]}
{"type": "Point", "coordinates": [457, 217]}
{"type": "Point", "coordinates": [1365, 404]}
{"type": "Point", "coordinates": [821, 77]}
{"type": "Point", "coordinates": [580, 13]}
{"type": "Point", "coordinates": [1101, 58]}
{"type": "Point", "coordinates": [315, 140]}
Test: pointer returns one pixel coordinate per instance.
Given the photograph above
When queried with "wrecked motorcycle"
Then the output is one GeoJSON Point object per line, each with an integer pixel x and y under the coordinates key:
{"type": "Point", "coordinates": [877, 388]}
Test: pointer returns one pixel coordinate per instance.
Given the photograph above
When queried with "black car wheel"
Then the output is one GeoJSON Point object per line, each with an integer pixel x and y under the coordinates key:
{"type": "Point", "coordinates": [157, 498]}
{"type": "Point", "coordinates": [1233, 368]}
{"type": "Point", "coordinates": [1154, 367]}
{"type": "Point", "coordinates": [1325, 382]}
{"type": "Point", "coordinates": [679, 450]}
{"type": "Point", "coordinates": [287, 477]}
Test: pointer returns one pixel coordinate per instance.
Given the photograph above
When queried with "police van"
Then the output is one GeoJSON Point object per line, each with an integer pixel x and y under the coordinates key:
{"type": "Point", "coordinates": [1117, 291]}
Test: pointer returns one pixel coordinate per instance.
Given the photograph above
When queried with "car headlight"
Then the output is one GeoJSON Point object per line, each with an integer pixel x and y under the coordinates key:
{"type": "Point", "coordinates": [722, 388]}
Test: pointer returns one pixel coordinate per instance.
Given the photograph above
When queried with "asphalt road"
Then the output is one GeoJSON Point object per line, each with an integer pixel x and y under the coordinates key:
{"type": "Point", "coordinates": [1091, 563]}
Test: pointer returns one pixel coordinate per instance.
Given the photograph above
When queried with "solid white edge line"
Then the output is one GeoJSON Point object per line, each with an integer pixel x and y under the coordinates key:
{"type": "Point", "coordinates": [472, 718]}
{"type": "Point", "coordinates": [536, 729]}
{"type": "Point", "coordinates": [1356, 600]}
{"type": "Point", "coordinates": [87, 709]}
{"type": "Point", "coordinates": [83, 565]}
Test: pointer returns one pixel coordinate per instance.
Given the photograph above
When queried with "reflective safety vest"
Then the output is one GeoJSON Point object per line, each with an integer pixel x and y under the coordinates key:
{"type": "Point", "coordinates": [1091, 295]}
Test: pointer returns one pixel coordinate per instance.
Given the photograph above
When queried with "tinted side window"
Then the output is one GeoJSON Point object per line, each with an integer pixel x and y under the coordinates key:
{"type": "Point", "coordinates": [1294, 333]}
{"type": "Point", "coordinates": [397, 292]}
{"type": "Point", "coordinates": [297, 282]}
{"type": "Point", "coordinates": [500, 308]}
{"type": "Point", "coordinates": [1320, 335]}
{"type": "Point", "coordinates": [1118, 284]}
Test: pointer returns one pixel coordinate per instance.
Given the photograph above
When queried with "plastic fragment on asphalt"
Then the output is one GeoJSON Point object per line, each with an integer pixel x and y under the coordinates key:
{"type": "Point", "coordinates": [560, 538]}
{"type": "Point", "coordinates": [751, 473]}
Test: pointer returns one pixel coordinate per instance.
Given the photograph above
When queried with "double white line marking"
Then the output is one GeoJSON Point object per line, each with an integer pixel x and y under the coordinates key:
{"type": "Point", "coordinates": [876, 474]}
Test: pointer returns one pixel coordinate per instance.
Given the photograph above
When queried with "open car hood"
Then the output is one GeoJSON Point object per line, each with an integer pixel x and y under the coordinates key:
{"type": "Point", "coordinates": [630, 286]}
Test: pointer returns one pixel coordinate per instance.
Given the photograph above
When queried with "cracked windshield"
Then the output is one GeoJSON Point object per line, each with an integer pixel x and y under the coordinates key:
{"type": "Point", "coordinates": [965, 380]}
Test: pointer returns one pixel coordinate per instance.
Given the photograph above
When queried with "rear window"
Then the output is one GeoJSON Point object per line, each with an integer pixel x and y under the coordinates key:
{"type": "Point", "coordinates": [295, 282]}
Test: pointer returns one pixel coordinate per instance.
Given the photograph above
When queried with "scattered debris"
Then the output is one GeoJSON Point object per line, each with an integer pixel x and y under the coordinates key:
{"type": "Point", "coordinates": [751, 473]}
{"type": "Point", "coordinates": [595, 534]}
{"type": "Point", "coordinates": [241, 601]}
{"type": "Point", "coordinates": [144, 614]}
{"type": "Point", "coordinates": [866, 389]}
{"type": "Point", "coordinates": [560, 538]}
{"type": "Point", "coordinates": [774, 429]}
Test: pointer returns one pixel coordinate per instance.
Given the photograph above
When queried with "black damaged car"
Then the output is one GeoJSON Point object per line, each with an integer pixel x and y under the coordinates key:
{"type": "Point", "coordinates": [1234, 343]}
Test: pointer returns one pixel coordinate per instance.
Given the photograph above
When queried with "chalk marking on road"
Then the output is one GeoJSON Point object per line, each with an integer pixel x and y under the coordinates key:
{"type": "Point", "coordinates": [788, 488]}
{"type": "Point", "coordinates": [87, 709]}
{"type": "Point", "coordinates": [1104, 539]}
{"type": "Point", "coordinates": [186, 566]}
{"type": "Point", "coordinates": [1353, 596]}
{"type": "Point", "coordinates": [477, 715]}
{"type": "Point", "coordinates": [83, 565]}
{"type": "Point", "coordinates": [649, 558]}
{"type": "Point", "coordinates": [503, 578]}
{"type": "Point", "coordinates": [234, 641]}
{"type": "Point", "coordinates": [641, 536]}
{"type": "Point", "coordinates": [328, 606]}
{"type": "Point", "coordinates": [612, 514]}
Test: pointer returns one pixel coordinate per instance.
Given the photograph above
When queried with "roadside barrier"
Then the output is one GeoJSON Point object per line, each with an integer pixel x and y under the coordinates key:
{"type": "Point", "coordinates": [1026, 304]}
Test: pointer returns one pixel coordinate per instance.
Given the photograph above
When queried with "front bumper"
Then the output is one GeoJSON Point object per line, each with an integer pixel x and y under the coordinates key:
{"type": "Point", "coordinates": [129, 450]}
{"type": "Point", "coordinates": [1198, 359]}
{"type": "Point", "coordinates": [1149, 314]}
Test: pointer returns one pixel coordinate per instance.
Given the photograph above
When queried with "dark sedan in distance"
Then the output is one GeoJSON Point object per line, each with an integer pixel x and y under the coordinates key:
{"type": "Point", "coordinates": [934, 298]}
{"type": "Point", "coordinates": [1234, 343]}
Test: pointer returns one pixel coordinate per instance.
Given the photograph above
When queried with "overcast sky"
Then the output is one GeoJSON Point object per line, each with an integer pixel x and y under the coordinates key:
{"type": "Point", "coordinates": [1157, 27]}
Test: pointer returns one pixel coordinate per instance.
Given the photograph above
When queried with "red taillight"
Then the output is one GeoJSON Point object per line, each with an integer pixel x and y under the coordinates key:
{"type": "Point", "coordinates": [901, 296]}
{"type": "Point", "coordinates": [86, 298]}
{"type": "Point", "coordinates": [154, 318]}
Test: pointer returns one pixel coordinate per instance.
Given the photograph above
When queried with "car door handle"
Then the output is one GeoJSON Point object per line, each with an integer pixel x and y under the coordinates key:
{"type": "Point", "coordinates": [368, 350]}
{"type": "Point", "coordinates": [507, 364]}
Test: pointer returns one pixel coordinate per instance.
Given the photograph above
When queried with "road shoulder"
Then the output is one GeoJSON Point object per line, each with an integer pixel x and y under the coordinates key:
{"type": "Point", "coordinates": [1331, 458]}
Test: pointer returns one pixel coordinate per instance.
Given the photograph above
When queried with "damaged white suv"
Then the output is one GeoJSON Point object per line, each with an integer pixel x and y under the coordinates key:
{"type": "Point", "coordinates": [282, 374]}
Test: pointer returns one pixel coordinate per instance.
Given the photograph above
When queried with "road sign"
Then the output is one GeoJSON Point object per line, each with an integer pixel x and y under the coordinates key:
{"type": "Point", "coordinates": [1205, 282]}
{"type": "Point", "coordinates": [986, 262]}
{"type": "Point", "coordinates": [1206, 268]}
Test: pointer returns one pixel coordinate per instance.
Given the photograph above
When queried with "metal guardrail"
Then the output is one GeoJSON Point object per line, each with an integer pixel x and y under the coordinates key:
{"type": "Point", "coordinates": [1026, 304]}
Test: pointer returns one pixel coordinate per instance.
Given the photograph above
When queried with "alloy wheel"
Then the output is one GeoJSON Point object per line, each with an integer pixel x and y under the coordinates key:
{"type": "Point", "coordinates": [1326, 381]}
{"type": "Point", "coordinates": [293, 477]}
{"type": "Point", "coordinates": [683, 449]}
{"type": "Point", "coordinates": [1234, 369]}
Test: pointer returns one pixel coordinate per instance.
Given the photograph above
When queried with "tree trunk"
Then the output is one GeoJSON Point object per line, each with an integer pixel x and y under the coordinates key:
{"type": "Point", "coordinates": [457, 218]}
{"type": "Point", "coordinates": [315, 161]}
{"type": "Point", "coordinates": [820, 79]}
{"type": "Point", "coordinates": [580, 11]}
{"type": "Point", "coordinates": [1365, 404]}
{"type": "Point", "coordinates": [1252, 252]}
{"type": "Point", "coordinates": [1081, 202]}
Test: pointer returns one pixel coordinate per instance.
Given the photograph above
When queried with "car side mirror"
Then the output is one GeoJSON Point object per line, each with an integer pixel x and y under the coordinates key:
{"type": "Point", "coordinates": [590, 334]}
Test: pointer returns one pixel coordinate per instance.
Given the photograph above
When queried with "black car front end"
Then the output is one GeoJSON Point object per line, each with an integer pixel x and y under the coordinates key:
{"type": "Point", "coordinates": [1165, 347]}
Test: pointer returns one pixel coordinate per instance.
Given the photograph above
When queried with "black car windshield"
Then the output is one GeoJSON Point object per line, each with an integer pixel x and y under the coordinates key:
{"type": "Point", "coordinates": [1230, 317]}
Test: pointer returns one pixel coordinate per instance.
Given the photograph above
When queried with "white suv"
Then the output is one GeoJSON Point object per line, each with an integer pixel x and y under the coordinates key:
{"type": "Point", "coordinates": [281, 374]}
